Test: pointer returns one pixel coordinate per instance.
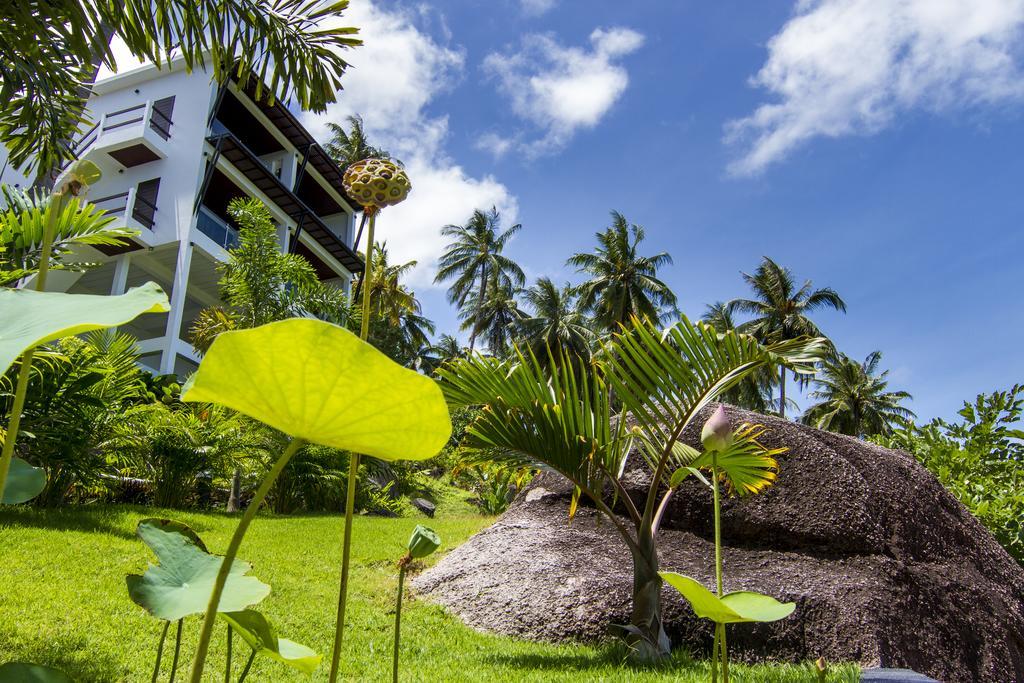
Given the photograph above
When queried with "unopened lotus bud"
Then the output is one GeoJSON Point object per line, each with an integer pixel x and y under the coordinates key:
{"type": "Point", "coordinates": [423, 542]}
{"type": "Point", "coordinates": [81, 175]}
{"type": "Point", "coordinates": [717, 432]}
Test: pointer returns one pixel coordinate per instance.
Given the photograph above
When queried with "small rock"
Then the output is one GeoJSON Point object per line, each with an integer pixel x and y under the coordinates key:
{"type": "Point", "coordinates": [894, 676]}
{"type": "Point", "coordinates": [424, 506]}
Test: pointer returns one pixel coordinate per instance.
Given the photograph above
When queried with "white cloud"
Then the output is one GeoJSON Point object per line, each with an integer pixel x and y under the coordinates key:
{"type": "Point", "coordinates": [562, 89]}
{"type": "Point", "coordinates": [497, 145]}
{"type": "Point", "coordinates": [842, 67]}
{"type": "Point", "coordinates": [394, 77]}
{"type": "Point", "coordinates": [537, 7]}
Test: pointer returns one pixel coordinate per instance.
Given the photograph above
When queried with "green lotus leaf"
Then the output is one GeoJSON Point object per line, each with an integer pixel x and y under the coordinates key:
{"type": "Point", "coordinates": [321, 383]}
{"type": "Point", "coordinates": [20, 672]}
{"type": "Point", "coordinates": [32, 318]}
{"type": "Point", "coordinates": [261, 636]}
{"type": "Point", "coordinates": [24, 482]}
{"type": "Point", "coordinates": [173, 526]}
{"type": "Point", "coordinates": [731, 608]}
{"type": "Point", "coordinates": [181, 584]}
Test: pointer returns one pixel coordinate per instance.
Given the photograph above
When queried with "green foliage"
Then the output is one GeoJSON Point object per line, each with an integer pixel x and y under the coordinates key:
{"type": "Point", "coordinates": [260, 284]}
{"type": "Point", "coordinates": [349, 146]}
{"type": "Point", "coordinates": [290, 48]}
{"type": "Point", "coordinates": [22, 224]}
{"type": "Point", "coordinates": [555, 322]}
{"type": "Point", "coordinates": [24, 483]}
{"type": "Point", "coordinates": [622, 283]}
{"type": "Point", "coordinates": [493, 485]}
{"type": "Point", "coordinates": [731, 608]}
{"type": "Point", "coordinates": [76, 395]}
{"type": "Point", "coordinates": [19, 672]}
{"type": "Point", "coordinates": [853, 398]}
{"type": "Point", "coordinates": [978, 458]}
{"type": "Point", "coordinates": [261, 636]}
{"type": "Point", "coordinates": [181, 583]}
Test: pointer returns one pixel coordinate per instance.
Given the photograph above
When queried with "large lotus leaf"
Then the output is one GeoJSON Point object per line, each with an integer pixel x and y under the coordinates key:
{"type": "Point", "coordinates": [31, 318]}
{"type": "Point", "coordinates": [173, 526]}
{"type": "Point", "coordinates": [24, 482]}
{"type": "Point", "coordinates": [19, 672]}
{"type": "Point", "coordinates": [183, 581]}
{"type": "Point", "coordinates": [731, 608]}
{"type": "Point", "coordinates": [321, 383]}
{"type": "Point", "coordinates": [262, 637]}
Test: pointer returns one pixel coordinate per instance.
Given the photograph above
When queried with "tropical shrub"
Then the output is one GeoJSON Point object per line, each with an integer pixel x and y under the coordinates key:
{"type": "Point", "coordinates": [76, 393]}
{"type": "Point", "coordinates": [565, 423]}
{"type": "Point", "coordinates": [978, 459]}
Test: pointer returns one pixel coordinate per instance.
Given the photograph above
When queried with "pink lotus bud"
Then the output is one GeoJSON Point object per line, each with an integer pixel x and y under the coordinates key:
{"type": "Point", "coordinates": [717, 432]}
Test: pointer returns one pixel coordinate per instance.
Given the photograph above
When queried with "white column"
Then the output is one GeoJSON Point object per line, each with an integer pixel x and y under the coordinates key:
{"type": "Point", "coordinates": [178, 291]}
{"type": "Point", "coordinates": [120, 283]}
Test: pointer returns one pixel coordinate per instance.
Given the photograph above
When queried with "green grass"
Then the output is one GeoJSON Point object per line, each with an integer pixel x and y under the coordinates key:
{"type": "Point", "coordinates": [63, 602]}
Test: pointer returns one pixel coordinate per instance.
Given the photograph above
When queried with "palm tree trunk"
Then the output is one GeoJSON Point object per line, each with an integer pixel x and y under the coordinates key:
{"type": "Point", "coordinates": [646, 631]}
{"type": "Point", "coordinates": [782, 392]}
{"type": "Point", "coordinates": [479, 307]}
{"type": "Point", "coordinates": [236, 491]}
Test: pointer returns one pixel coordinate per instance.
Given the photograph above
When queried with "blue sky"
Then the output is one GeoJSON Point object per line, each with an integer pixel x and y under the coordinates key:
{"type": "Point", "coordinates": [873, 147]}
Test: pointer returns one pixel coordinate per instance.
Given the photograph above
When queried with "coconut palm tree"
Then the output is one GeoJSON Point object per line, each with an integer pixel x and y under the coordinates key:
{"type": "Point", "coordinates": [781, 309]}
{"type": "Point", "coordinates": [754, 391]}
{"type": "Point", "coordinates": [445, 350]}
{"type": "Point", "coordinates": [349, 146]}
{"type": "Point", "coordinates": [622, 283]}
{"type": "Point", "coordinates": [473, 259]}
{"type": "Point", "coordinates": [854, 400]}
{"type": "Point", "coordinates": [555, 323]}
{"type": "Point", "coordinates": [389, 297]}
{"type": "Point", "coordinates": [496, 318]}
{"type": "Point", "coordinates": [52, 51]}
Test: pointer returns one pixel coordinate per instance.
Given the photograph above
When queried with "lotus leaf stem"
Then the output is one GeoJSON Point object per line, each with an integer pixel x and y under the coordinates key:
{"type": "Point", "coordinates": [177, 650]}
{"type": "Point", "coordinates": [227, 663]}
{"type": "Point", "coordinates": [232, 551]}
{"type": "Point", "coordinates": [353, 468]}
{"type": "Point", "coordinates": [398, 618]}
{"type": "Point", "coordinates": [248, 664]}
{"type": "Point", "coordinates": [160, 650]}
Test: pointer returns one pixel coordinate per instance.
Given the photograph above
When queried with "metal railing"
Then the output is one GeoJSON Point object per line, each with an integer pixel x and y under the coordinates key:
{"type": "Point", "coordinates": [216, 228]}
{"type": "Point", "coordinates": [129, 204]}
{"type": "Point", "coordinates": [159, 122]}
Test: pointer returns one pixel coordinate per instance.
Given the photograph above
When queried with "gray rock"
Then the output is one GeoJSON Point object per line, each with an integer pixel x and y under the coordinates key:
{"type": "Point", "coordinates": [893, 676]}
{"type": "Point", "coordinates": [886, 567]}
{"type": "Point", "coordinates": [424, 506]}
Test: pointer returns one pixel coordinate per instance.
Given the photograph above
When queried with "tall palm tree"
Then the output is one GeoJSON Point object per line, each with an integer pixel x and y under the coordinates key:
{"type": "Point", "coordinates": [496, 318]}
{"type": "Point", "coordinates": [389, 297]}
{"type": "Point", "coordinates": [51, 52]}
{"type": "Point", "coordinates": [556, 323]}
{"type": "Point", "coordinates": [853, 398]}
{"type": "Point", "coordinates": [349, 146]}
{"type": "Point", "coordinates": [754, 391]}
{"type": "Point", "coordinates": [622, 283]}
{"type": "Point", "coordinates": [445, 350]}
{"type": "Point", "coordinates": [781, 309]}
{"type": "Point", "coordinates": [474, 259]}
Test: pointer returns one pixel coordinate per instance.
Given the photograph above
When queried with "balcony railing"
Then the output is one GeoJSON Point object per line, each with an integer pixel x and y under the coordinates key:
{"type": "Point", "coordinates": [143, 113]}
{"type": "Point", "coordinates": [216, 228]}
{"type": "Point", "coordinates": [129, 203]}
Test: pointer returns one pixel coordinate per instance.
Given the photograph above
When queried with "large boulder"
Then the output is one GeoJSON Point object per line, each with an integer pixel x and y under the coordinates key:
{"type": "Point", "coordinates": [886, 567]}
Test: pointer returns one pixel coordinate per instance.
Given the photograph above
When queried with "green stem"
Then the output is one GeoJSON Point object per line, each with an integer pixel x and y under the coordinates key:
{"type": "Point", "coordinates": [725, 657]}
{"type": "Point", "coordinates": [160, 650]}
{"type": "Point", "coordinates": [229, 557]}
{"type": "Point", "coordinates": [177, 650]}
{"type": "Point", "coordinates": [21, 390]}
{"type": "Point", "coordinates": [227, 665]}
{"type": "Point", "coordinates": [718, 563]}
{"type": "Point", "coordinates": [248, 664]}
{"type": "Point", "coordinates": [714, 656]}
{"type": "Point", "coordinates": [398, 624]}
{"type": "Point", "coordinates": [353, 467]}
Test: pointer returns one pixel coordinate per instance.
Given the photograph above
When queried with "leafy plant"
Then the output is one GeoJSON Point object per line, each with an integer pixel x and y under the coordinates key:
{"type": "Point", "coordinates": [19, 672]}
{"type": "Point", "coordinates": [36, 317]}
{"type": "Point", "coordinates": [494, 485]}
{"type": "Point", "coordinates": [423, 542]}
{"type": "Point", "coordinates": [260, 635]}
{"type": "Point", "coordinates": [351, 397]}
{"type": "Point", "coordinates": [747, 467]}
{"type": "Point", "coordinates": [565, 423]}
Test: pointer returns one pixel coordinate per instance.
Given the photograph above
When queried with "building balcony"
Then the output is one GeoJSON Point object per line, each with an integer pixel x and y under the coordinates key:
{"type": "Point", "coordinates": [135, 209]}
{"type": "Point", "coordinates": [132, 136]}
{"type": "Point", "coordinates": [223, 234]}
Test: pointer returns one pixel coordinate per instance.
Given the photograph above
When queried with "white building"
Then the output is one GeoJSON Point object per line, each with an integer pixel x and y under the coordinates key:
{"type": "Point", "coordinates": [174, 149]}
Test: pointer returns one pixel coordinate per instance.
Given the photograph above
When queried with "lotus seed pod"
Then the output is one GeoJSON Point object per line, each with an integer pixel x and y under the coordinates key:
{"type": "Point", "coordinates": [376, 183]}
{"type": "Point", "coordinates": [423, 542]}
{"type": "Point", "coordinates": [717, 432]}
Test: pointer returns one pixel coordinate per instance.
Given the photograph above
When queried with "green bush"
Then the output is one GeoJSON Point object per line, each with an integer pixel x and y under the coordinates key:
{"type": "Point", "coordinates": [979, 459]}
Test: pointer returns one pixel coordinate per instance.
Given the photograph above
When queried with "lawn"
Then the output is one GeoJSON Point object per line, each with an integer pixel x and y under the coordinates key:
{"type": "Point", "coordinates": [63, 602]}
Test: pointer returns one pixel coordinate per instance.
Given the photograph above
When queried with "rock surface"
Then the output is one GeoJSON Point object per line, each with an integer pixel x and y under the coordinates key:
{"type": "Point", "coordinates": [886, 567]}
{"type": "Point", "coordinates": [424, 506]}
